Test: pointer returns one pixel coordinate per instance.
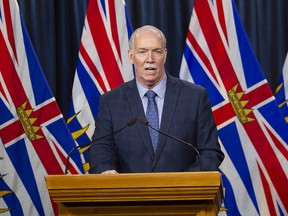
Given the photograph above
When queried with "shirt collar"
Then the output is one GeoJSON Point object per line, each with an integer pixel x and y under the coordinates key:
{"type": "Point", "coordinates": [159, 89]}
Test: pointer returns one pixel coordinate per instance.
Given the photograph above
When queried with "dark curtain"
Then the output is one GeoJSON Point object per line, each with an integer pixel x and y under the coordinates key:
{"type": "Point", "coordinates": [266, 23]}
{"type": "Point", "coordinates": [55, 28]}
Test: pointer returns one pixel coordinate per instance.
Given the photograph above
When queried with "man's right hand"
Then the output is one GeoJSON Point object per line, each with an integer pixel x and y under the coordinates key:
{"type": "Point", "coordinates": [110, 172]}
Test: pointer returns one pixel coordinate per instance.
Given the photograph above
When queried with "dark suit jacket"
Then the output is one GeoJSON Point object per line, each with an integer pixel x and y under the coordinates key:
{"type": "Point", "coordinates": [186, 115]}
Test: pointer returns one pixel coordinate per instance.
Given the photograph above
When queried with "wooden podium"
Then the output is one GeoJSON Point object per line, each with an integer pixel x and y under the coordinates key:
{"type": "Point", "coordinates": [174, 193]}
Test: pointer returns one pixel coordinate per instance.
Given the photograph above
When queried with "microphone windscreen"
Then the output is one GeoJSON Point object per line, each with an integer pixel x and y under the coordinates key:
{"type": "Point", "coordinates": [131, 121]}
{"type": "Point", "coordinates": [143, 120]}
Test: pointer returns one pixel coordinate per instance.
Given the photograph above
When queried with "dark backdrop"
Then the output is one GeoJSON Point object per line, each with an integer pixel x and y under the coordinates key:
{"type": "Point", "coordinates": [55, 28]}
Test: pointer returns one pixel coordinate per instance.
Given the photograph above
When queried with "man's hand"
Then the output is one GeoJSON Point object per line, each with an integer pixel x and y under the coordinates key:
{"type": "Point", "coordinates": [110, 172]}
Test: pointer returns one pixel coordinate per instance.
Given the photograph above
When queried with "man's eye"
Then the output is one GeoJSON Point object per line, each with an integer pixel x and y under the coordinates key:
{"type": "Point", "coordinates": [157, 52]}
{"type": "Point", "coordinates": [142, 52]}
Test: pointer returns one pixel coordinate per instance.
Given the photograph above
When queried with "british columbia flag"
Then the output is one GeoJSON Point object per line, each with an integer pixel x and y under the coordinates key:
{"type": "Point", "coordinates": [281, 93]}
{"type": "Point", "coordinates": [252, 131]}
{"type": "Point", "coordinates": [34, 138]}
{"type": "Point", "coordinates": [103, 64]}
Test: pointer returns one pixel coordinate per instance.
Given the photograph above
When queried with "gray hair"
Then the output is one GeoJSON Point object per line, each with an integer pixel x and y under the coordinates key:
{"type": "Point", "coordinates": [153, 28]}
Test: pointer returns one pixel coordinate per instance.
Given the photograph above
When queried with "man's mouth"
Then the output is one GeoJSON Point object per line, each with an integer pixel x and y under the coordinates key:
{"type": "Point", "coordinates": [150, 67]}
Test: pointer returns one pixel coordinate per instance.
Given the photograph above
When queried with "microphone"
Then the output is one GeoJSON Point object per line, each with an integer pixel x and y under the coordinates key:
{"type": "Point", "coordinates": [128, 124]}
{"type": "Point", "coordinates": [144, 121]}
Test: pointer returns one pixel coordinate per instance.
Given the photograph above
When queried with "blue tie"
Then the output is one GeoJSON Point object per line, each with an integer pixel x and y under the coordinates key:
{"type": "Point", "coordinates": [152, 117]}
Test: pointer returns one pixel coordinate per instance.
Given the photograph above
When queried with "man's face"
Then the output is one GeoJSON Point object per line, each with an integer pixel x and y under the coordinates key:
{"type": "Point", "coordinates": [148, 56]}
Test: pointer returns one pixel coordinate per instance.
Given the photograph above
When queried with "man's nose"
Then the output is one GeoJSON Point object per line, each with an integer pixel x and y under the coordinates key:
{"type": "Point", "coordinates": [150, 57]}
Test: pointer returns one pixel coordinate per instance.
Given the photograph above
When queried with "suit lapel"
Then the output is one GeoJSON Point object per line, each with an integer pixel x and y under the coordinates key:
{"type": "Point", "coordinates": [136, 106]}
{"type": "Point", "coordinates": [170, 101]}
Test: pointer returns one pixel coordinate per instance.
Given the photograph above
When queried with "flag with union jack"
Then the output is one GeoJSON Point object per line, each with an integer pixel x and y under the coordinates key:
{"type": "Point", "coordinates": [103, 64]}
{"type": "Point", "coordinates": [251, 129]}
{"type": "Point", "coordinates": [34, 138]}
{"type": "Point", "coordinates": [281, 93]}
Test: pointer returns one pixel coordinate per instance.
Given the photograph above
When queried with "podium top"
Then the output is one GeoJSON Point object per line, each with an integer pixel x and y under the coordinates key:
{"type": "Point", "coordinates": [167, 179]}
{"type": "Point", "coordinates": [136, 187]}
{"type": "Point", "coordinates": [177, 191]}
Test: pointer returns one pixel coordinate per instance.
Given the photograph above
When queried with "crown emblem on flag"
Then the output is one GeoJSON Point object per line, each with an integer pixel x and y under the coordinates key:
{"type": "Point", "coordinates": [239, 105]}
{"type": "Point", "coordinates": [27, 122]}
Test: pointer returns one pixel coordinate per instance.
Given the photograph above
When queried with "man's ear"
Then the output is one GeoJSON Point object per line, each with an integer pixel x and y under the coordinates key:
{"type": "Point", "coordinates": [130, 56]}
{"type": "Point", "coordinates": [165, 55]}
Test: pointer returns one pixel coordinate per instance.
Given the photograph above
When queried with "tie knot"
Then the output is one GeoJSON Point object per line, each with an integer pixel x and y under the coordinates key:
{"type": "Point", "coordinates": [150, 94]}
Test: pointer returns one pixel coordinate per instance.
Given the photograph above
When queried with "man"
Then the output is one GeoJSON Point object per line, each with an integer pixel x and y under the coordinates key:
{"type": "Point", "coordinates": [183, 111]}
